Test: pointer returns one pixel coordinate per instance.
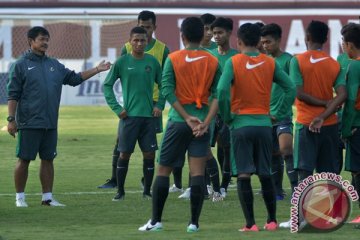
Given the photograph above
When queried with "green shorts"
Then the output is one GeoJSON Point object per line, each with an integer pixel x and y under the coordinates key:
{"type": "Point", "coordinates": [252, 150]}
{"type": "Point", "coordinates": [33, 141]}
{"type": "Point", "coordinates": [137, 129]}
{"type": "Point", "coordinates": [178, 138]}
{"type": "Point", "coordinates": [316, 151]}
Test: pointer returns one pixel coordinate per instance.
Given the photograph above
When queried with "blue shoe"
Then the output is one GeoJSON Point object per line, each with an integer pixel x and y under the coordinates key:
{"type": "Point", "coordinates": [279, 197]}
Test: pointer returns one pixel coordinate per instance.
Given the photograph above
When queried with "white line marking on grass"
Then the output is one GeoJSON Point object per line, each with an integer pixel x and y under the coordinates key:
{"type": "Point", "coordinates": [98, 193]}
{"type": "Point", "coordinates": [70, 193]}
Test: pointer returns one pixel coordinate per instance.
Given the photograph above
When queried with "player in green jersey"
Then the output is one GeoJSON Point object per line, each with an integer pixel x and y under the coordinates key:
{"type": "Point", "coordinates": [282, 129]}
{"type": "Point", "coordinates": [351, 114]}
{"type": "Point", "coordinates": [138, 72]}
{"type": "Point", "coordinates": [222, 30]}
{"type": "Point", "coordinates": [156, 48]}
{"type": "Point", "coordinates": [207, 19]}
{"type": "Point", "coordinates": [344, 60]}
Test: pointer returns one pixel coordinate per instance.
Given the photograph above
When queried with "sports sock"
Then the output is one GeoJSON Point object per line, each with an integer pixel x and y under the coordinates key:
{"type": "Point", "coordinates": [226, 172]}
{"type": "Point", "coordinates": [246, 199]}
{"type": "Point", "coordinates": [115, 158]}
{"type": "Point", "coordinates": [213, 170]}
{"type": "Point", "coordinates": [20, 195]}
{"type": "Point", "coordinates": [291, 172]}
{"type": "Point", "coordinates": [121, 171]}
{"type": "Point", "coordinates": [277, 167]}
{"type": "Point", "coordinates": [160, 194]}
{"type": "Point", "coordinates": [148, 171]}
{"type": "Point", "coordinates": [220, 156]}
{"type": "Point", "coordinates": [340, 157]}
{"type": "Point", "coordinates": [196, 198]}
{"type": "Point", "coordinates": [207, 176]}
{"type": "Point", "coordinates": [268, 193]}
{"type": "Point", "coordinates": [46, 196]}
{"type": "Point", "coordinates": [177, 172]}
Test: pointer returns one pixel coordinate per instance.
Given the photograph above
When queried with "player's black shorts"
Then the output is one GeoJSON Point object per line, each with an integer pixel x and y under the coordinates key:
{"type": "Point", "coordinates": [178, 138]}
{"type": "Point", "coordinates": [34, 141]}
{"type": "Point", "coordinates": [352, 157]}
{"type": "Point", "coordinates": [316, 151]}
{"type": "Point", "coordinates": [141, 129]}
{"type": "Point", "coordinates": [252, 150]}
{"type": "Point", "coordinates": [285, 126]}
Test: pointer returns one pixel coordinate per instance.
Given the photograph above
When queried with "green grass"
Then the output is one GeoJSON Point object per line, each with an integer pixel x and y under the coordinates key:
{"type": "Point", "coordinates": [86, 139]}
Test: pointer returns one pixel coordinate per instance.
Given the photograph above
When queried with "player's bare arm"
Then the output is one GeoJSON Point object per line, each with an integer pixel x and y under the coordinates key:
{"type": "Point", "coordinates": [307, 98]}
{"type": "Point", "coordinates": [331, 108]}
{"type": "Point", "coordinates": [191, 121]}
{"type": "Point", "coordinates": [12, 127]}
{"type": "Point", "coordinates": [103, 66]}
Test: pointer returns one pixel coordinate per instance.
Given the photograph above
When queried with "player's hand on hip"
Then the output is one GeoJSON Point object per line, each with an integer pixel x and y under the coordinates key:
{"type": "Point", "coordinates": [123, 114]}
{"type": "Point", "coordinates": [12, 128]}
{"type": "Point", "coordinates": [316, 124]}
{"type": "Point", "coordinates": [156, 112]}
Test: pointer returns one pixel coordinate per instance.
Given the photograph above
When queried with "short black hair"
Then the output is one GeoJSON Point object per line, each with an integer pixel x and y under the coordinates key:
{"type": "Point", "coordinates": [36, 31]}
{"type": "Point", "coordinates": [351, 33]}
{"type": "Point", "coordinates": [137, 30]}
{"type": "Point", "coordinates": [318, 31]}
{"type": "Point", "coordinates": [146, 15]}
{"type": "Point", "coordinates": [221, 22]}
{"type": "Point", "coordinates": [272, 29]}
{"type": "Point", "coordinates": [207, 18]}
{"type": "Point", "coordinates": [249, 33]}
{"type": "Point", "coordinates": [193, 29]}
{"type": "Point", "coordinates": [260, 24]}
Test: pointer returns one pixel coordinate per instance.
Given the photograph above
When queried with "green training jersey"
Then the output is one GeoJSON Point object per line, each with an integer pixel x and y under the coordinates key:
{"type": "Point", "coordinates": [153, 48]}
{"type": "Point", "coordinates": [344, 60]}
{"type": "Point", "coordinates": [137, 77]}
{"type": "Point", "coordinates": [212, 45]}
{"type": "Point", "coordinates": [277, 93]}
{"type": "Point", "coordinates": [157, 49]}
{"type": "Point", "coordinates": [223, 58]}
{"type": "Point", "coordinates": [351, 114]}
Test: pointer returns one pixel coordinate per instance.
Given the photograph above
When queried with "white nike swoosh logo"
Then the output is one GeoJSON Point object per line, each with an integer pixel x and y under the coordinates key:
{"type": "Point", "coordinates": [131, 68]}
{"type": "Point", "coordinates": [315, 60]}
{"type": "Point", "coordinates": [282, 128]}
{"type": "Point", "coordinates": [29, 68]}
{"type": "Point", "coordinates": [251, 66]}
{"type": "Point", "coordinates": [188, 59]}
{"type": "Point", "coordinates": [291, 171]}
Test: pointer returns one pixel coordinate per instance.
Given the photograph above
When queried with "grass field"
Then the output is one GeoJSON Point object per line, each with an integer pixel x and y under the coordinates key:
{"type": "Point", "coordinates": [86, 139]}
